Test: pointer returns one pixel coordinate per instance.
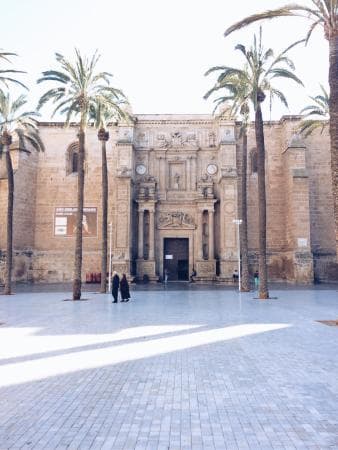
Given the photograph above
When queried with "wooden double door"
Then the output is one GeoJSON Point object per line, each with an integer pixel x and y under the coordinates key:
{"type": "Point", "coordinates": [176, 259]}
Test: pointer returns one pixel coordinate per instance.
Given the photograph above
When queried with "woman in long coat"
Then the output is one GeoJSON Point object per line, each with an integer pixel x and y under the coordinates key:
{"type": "Point", "coordinates": [124, 289]}
{"type": "Point", "coordinates": [115, 286]}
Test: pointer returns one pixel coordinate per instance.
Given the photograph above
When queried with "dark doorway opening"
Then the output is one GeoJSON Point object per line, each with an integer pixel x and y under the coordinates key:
{"type": "Point", "coordinates": [176, 259]}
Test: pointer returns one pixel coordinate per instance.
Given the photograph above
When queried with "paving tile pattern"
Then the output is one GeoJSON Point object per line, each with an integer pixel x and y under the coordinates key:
{"type": "Point", "coordinates": [271, 390]}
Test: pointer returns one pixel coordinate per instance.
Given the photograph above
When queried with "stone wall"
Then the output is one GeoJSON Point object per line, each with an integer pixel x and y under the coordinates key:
{"type": "Point", "coordinates": [176, 152]}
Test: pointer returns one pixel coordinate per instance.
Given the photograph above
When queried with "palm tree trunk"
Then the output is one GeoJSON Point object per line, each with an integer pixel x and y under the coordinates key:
{"type": "Point", "coordinates": [245, 285]}
{"type": "Point", "coordinates": [104, 218]}
{"type": "Point", "coordinates": [10, 204]}
{"type": "Point", "coordinates": [333, 81]}
{"type": "Point", "coordinates": [79, 218]}
{"type": "Point", "coordinates": [262, 266]}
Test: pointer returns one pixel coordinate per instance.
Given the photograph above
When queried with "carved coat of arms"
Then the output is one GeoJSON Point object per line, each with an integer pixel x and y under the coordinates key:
{"type": "Point", "coordinates": [176, 219]}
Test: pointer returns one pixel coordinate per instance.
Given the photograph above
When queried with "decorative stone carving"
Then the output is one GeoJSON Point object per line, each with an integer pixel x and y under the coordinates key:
{"type": "Point", "coordinates": [212, 139]}
{"type": "Point", "coordinates": [205, 186]}
{"type": "Point", "coordinates": [125, 136]}
{"type": "Point", "coordinates": [148, 179]}
{"type": "Point", "coordinates": [177, 140]}
{"type": "Point", "coordinates": [229, 172]}
{"type": "Point", "coordinates": [162, 141]}
{"type": "Point", "coordinates": [142, 139]}
{"type": "Point", "coordinates": [147, 187]}
{"type": "Point", "coordinates": [118, 255]}
{"type": "Point", "coordinates": [228, 135]}
{"type": "Point", "coordinates": [206, 178]}
{"type": "Point", "coordinates": [124, 172]}
{"type": "Point", "coordinates": [191, 140]}
{"type": "Point", "coordinates": [175, 219]}
{"type": "Point", "coordinates": [120, 267]}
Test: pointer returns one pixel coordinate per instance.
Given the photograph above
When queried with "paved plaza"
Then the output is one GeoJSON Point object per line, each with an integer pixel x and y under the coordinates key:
{"type": "Point", "coordinates": [193, 368]}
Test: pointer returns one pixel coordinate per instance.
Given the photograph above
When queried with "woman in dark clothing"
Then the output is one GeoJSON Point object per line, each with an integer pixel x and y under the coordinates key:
{"type": "Point", "coordinates": [115, 286]}
{"type": "Point", "coordinates": [124, 288]}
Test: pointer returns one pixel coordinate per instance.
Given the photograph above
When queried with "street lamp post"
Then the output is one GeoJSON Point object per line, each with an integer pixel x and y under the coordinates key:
{"type": "Point", "coordinates": [110, 247]}
{"type": "Point", "coordinates": [238, 223]}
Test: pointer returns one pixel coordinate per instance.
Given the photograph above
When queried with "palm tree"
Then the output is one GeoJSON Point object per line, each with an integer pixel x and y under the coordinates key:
{"type": "Point", "coordinates": [260, 70]}
{"type": "Point", "coordinates": [323, 13]}
{"type": "Point", "coordinates": [79, 88]}
{"type": "Point", "coordinates": [107, 109]}
{"type": "Point", "coordinates": [6, 74]}
{"type": "Point", "coordinates": [238, 96]}
{"type": "Point", "coordinates": [319, 109]}
{"type": "Point", "coordinates": [23, 125]}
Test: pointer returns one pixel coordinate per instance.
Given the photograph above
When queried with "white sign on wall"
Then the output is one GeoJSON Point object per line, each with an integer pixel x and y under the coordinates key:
{"type": "Point", "coordinates": [65, 221]}
{"type": "Point", "coordinates": [169, 257]}
{"type": "Point", "coordinates": [302, 242]}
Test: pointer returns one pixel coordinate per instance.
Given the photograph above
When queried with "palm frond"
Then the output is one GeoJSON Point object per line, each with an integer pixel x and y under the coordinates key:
{"type": "Point", "coordinates": [307, 127]}
{"type": "Point", "coordinates": [286, 11]}
{"type": "Point", "coordinates": [21, 123]}
{"type": "Point", "coordinates": [284, 73]}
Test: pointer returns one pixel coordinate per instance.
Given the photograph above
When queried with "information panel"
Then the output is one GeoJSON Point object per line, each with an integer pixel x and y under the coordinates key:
{"type": "Point", "coordinates": [65, 222]}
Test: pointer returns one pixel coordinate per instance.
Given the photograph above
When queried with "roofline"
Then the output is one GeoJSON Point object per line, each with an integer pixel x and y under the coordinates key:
{"type": "Point", "coordinates": [169, 117]}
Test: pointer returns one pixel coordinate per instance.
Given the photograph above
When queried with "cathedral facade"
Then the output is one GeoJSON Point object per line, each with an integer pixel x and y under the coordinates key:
{"type": "Point", "coordinates": [174, 193]}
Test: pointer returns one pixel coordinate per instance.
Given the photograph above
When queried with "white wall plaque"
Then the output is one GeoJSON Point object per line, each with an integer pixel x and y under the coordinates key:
{"type": "Point", "coordinates": [302, 242]}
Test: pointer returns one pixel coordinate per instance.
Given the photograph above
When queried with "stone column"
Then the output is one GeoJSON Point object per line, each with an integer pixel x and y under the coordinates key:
{"type": "Point", "coordinates": [200, 232]}
{"type": "Point", "coordinates": [161, 166]}
{"type": "Point", "coordinates": [140, 233]}
{"type": "Point", "coordinates": [188, 172]}
{"type": "Point", "coordinates": [193, 176]}
{"type": "Point", "coordinates": [211, 234]}
{"type": "Point", "coordinates": [151, 234]}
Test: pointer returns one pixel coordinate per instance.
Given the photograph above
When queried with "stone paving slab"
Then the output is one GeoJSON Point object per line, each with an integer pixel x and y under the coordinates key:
{"type": "Point", "coordinates": [173, 369]}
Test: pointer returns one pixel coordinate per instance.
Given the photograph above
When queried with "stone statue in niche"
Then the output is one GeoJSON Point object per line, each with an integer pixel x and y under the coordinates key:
{"type": "Point", "coordinates": [176, 181]}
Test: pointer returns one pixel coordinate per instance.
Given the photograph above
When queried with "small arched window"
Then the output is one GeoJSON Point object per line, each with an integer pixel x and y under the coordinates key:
{"type": "Point", "coordinates": [254, 161]}
{"type": "Point", "coordinates": [75, 157]}
{"type": "Point", "coordinates": [72, 158]}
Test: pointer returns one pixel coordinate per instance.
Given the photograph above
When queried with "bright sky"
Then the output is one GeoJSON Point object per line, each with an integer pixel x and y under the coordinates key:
{"type": "Point", "coordinates": [157, 50]}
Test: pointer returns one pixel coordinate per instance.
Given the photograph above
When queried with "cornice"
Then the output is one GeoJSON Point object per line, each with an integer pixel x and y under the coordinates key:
{"type": "Point", "coordinates": [175, 122]}
{"type": "Point", "coordinates": [175, 119]}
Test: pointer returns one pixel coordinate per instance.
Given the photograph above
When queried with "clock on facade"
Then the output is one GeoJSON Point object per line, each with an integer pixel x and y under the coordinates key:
{"type": "Point", "coordinates": [212, 169]}
{"type": "Point", "coordinates": [141, 169]}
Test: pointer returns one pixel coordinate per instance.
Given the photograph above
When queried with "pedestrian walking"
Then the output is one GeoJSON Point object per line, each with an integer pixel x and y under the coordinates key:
{"type": "Point", "coordinates": [256, 279]}
{"type": "Point", "coordinates": [235, 276]}
{"type": "Point", "coordinates": [124, 289]}
{"type": "Point", "coordinates": [166, 274]}
{"type": "Point", "coordinates": [115, 286]}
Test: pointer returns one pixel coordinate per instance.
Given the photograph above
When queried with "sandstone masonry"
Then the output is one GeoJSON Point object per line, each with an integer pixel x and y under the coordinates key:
{"type": "Point", "coordinates": [174, 191]}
